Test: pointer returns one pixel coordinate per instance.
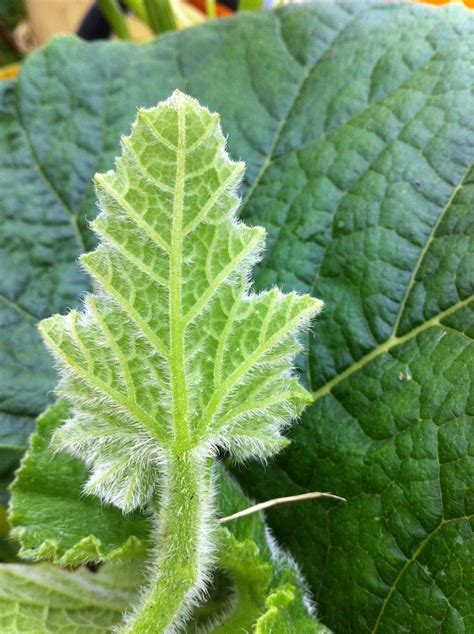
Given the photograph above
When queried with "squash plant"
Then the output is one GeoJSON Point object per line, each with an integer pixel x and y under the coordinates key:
{"type": "Point", "coordinates": [355, 122]}
{"type": "Point", "coordinates": [172, 357]}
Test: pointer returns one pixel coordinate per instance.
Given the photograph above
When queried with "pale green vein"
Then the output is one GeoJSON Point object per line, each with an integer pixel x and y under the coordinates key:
{"type": "Point", "coordinates": [239, 373]}
{"type": "Point", "coordinates": [388, 345]}
{"type": "Point", "coordinates": [135, 478]}
{"type": "Point", "coordinates": [144, 117]}
{"type": "Point", "coordinates": [268, 316]}
{"type": "Point", "coordinates": [96, 482]}
{"type": "Point", "coordinates": [257, 387]}
{"type": "Point", "coordinates": [204, 136]}
{"type": "Point", "coordinates": [128, 255]}
{"type": "Point", "coordinates": [74, 315]}
{"type": "Point", "coordinates": [141, 167]}
{"type": "Point", "coordinates": [222, 189]}
{"type": "Point", "coordinates": [179, 394]}
{"type": "Point", "coordinates": [128, 308]}
{"type": "Point", "coordinates": [257, 406]}
{"type": "Point", "coordinates": [136, 412]}
{"type": "Point", "coordinates": [210, 254]}
{"type": "Point", "coordinates": [223, 275]}
{"type": "Point", "coordinates": [425, 249]}
{"type": "Point", "coordinates": [127, 377]}
{"type": "Point", "coordinates": [150, 232]}
{"type": "Point", "coordinates": [221, 347]}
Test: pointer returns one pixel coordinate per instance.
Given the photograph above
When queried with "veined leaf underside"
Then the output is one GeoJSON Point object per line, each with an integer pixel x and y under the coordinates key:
{"type": "Point", "coordinates": [172, 352]}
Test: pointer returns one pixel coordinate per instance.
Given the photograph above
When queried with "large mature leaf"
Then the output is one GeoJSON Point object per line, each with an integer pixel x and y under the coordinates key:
{"type": "Point", "coordinates": [356, 124]}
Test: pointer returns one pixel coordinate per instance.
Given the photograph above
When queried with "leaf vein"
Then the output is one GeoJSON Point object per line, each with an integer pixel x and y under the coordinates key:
{"type": "Point", "coordinates": [388, 345]}
{"type": "Point", "coordinates": [149, 231]}
{"type": "Point", "coordinates": [220, 279]}
{"type": "Point", "coordinates": [143, 326]}
{"type": "Point", "coordinates": [137, 413]}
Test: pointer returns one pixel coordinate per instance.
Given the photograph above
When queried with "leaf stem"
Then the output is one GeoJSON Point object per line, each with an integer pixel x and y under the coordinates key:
{"type": "Point", "coordinates": [211, 8]}
{"type": "Point", "coordinates": [160, 15]}
{"type": "Point", "coordinates": [112, 11]}
{"type": "Point", "coordinates": [184, 547]}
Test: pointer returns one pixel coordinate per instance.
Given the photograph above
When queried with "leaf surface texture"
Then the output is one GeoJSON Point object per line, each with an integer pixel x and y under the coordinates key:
{"type": "Point", "coordinates": [359, 160]}
{"type": "Point", "coordinates": [172, 354]}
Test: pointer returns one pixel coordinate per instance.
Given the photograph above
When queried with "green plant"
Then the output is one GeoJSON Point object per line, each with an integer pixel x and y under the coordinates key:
{"type": "Point", "coordinates": [355, 122]}
{"type": "Point", "coordinates": [258, 588]}
{"type": "Point", "coordinates": [113, 13]}
{"type": "Point", "coordinates": [11, 13]}
{"type": "Point", "coordinates": [162, 15]}
{"type": "Point", "coordinates": [172, 359]}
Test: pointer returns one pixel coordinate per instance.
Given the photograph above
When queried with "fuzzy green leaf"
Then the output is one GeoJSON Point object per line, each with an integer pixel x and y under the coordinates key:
{"type": "Point", "coordinates": [171, 353]}
{"type": "Point", "coordinates": [268, 591]}
{"type": "Point", "coordinates": [52, 517]}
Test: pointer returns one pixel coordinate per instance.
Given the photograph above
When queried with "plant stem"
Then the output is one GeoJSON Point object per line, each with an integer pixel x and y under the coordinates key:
{"type": "Point", "coordinates": [160, 15]}
{"type": "Point", "coordinates": [211, 8]}
{"type": "Point", "coordinates": [112, 11]}
{"type": "Point", "coordinates": [184, 547]}
{"type": "Point", "coordinates": [138, 9]}
{"type": "Point", "coordinates": [250, 5]}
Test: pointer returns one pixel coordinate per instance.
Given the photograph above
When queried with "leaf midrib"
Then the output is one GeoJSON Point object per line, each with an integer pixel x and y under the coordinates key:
{"type": "Point", "coordinates": [179, 396]}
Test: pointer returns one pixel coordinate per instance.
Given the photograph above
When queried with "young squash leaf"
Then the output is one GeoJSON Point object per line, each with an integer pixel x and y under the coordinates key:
{"type": "Point", "coordinates": [172, 357]}
{"type": "Point", "coordinates": [171, 354]}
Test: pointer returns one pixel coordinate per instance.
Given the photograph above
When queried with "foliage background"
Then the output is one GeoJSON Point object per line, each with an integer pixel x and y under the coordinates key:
{"type": "Point", "coordinates": [356, 125]}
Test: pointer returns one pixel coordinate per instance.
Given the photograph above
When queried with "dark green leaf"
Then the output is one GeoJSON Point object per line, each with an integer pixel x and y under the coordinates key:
{"type": "Point", "coordinates": [356, 122]}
